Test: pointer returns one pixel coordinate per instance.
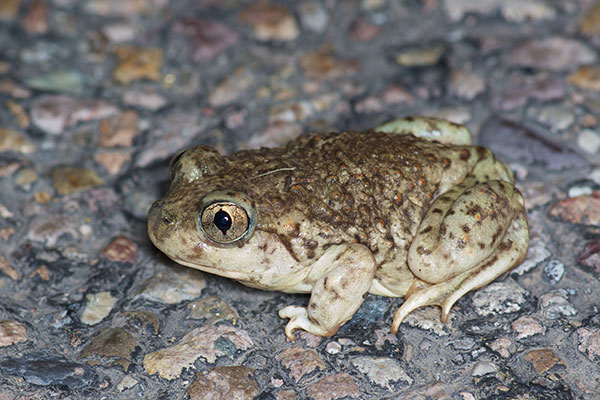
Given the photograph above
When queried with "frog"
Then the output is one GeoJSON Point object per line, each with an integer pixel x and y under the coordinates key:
{"type": "Point", "coordinates": [407, 209]}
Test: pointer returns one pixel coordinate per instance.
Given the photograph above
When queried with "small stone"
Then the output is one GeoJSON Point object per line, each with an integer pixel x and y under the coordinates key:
{"type": "Point", "coordinates": [554, 54]}
{"type": "Point", "coordinates": [68, 179]}
{"type": "Point", "coordinates": [428, 318]}
{"type": "Point", "coordinates": [9, 9]}
{"type": "Point", "coordinates": [213, 310]}
{"type": "Point", "coordinates": [580, 210]}
{"type": "Point", "coordinates": [174, 285]}
{"type": "Point", "coordinates": [19, 114]}
{"type": "Point", "coordinates": [124, 8]}
{"type": "Point", "coordinates": [12, 332]}
{"type": "Point", "coordinates": [25, 178]}
{"type": "Point", "coordinates": [590, 24]}
{"type": "Point", "coordinates": [70, 82]}
{"type": "Point", "coordinates": [542, 360]}
{"type": "Point", "coordinates": [501, 346]}
{"type": "Point", "coordinates": [333, 348]}
{"type": "Point", "coordinates": [586, 77]}
{"type": "Point", "coordinates": [466, 84]}
{"type": "Point", "coordinates": [119, 32]}
{"type": "Point", "coordinates": [589, 141]}
{"type": "Point", "coordinates": [99, 305]}
{"type": "Point", "coordinates": [113, 345]}
{"type": "Point", "coordinates": [395, 94]}
{"type": "Point", "coordinates": [126, 383]}
{"type": "Point", "coordinates": [511, 10]}
{"type": "Point", "coordinates": [14, 141]}
{"type": "Point", "coordinates": [119, 130]}
{"type": "Point", "coordinates": [334, 387]}
{"type": "Point", "coordinates": [590, 256]}
{"type": "Point", "coordinates": [420, 56]}
{"type": "Point", "coordinates": [42, 370]}
{"type": "Point", "coordinates": [300, 362]}
{"type": "Point", "coordinates": [484, 368]}
{"type": "Point", "coordinates": [54, 113]}
{"type": "Point", "coordinates": [556, 117]}
{"type": "Point", "coordinates": [544, 89]}
{"type": "Point", "coordinates": [554, 271]}
{"type": "Point", "coordinates": [589, 342]}
{"type": "Point", "coordinates": [201, 342]}
{"type": "Point", "coordinates": [499, 298]}
{"type": "Point", "coordinates": [135, 63]}
{"type": "Point", "coordinates": [209, 38]}
{"type": "Point", "coordinates": [363, 31]}
{"type": "Point", "coordinates": [48, 228]}
{"type": "Point", "coordinates": [384, 372]}
{"type": "Point", "coordinates": [313, 16]}
{"type": "Point", "coordinates": [555, 305]}
{"type": "Point", "coordinates": [113, 161]}
{"type": "Point", "coordinates": [224, 383]}
{"type": "Point", "coordinates": [144, 98]}
{"type": "Point", "coordinates": [527, 326]}
{"type": "Point", "coordinates": [270, 22]}
{"type": "Point", "coordinates": [13, 89]}
{"type": "Point", "coordinates": [537, 253]}
{"type": "Point", "coordinates": [147, 318]}
{"type": "Point", "coordinates": [322, 64]}
{"type": "Point", "coordinates": [275, 134]}
{"type": "Point", "coordinates": [121, 249]}
{"type": "Point", "coordinates": [370, 104]}
{"type": "Point", "coordinates": [231, 88]}
{"type": "Point", "coordinates": [42, 271]}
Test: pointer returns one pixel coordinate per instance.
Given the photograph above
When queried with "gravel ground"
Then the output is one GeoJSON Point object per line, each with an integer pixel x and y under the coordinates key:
{"type": "Point", "coordinates": [97, 95]}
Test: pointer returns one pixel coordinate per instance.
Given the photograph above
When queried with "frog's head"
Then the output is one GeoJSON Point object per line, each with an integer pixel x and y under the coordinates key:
{"type": "Point", "coordinates": [208, 221]}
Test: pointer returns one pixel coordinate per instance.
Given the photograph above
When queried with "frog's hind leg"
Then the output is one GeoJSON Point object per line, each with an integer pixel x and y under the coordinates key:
{"type": "Point", "coordinates": [428, 128]}
{"type": "Point", "coordinates": [510, 252]}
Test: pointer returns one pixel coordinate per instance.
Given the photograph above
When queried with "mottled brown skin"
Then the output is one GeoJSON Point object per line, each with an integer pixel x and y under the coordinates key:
{"type": "Point", "coordinates": [345, 214]}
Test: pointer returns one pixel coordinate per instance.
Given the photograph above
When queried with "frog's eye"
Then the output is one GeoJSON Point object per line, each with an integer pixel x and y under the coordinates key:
{"type": "Point", "coordinates": [226, 217]}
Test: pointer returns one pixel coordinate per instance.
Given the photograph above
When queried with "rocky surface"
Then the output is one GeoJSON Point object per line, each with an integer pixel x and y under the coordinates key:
{"type": "Point", "coordinates": [97, 95]}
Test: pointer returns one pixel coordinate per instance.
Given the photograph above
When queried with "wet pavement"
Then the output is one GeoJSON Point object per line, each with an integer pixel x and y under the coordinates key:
{"type": "Point", "coordinates": [95, 98]}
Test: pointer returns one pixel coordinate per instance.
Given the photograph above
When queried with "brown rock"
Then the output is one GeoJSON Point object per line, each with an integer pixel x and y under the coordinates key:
{"type": "Point", "coordinates": [363, 31]}
{"type": "Point", "coordinates": [7, 269]}
{"type": "Point", "coordinates": [12, 332]}
{"type": "Point", "coordinates": [135, 63]}
{"type": "Point", "coordinates": [270, 22]}
{"type": "Point", "coordinates": [590, 256]}
{"type": "Point", "coordinates": [18, 112]}
{"type": "Point", "coordinates": [121, 249]}
{"type": "Point", "coordinates": [14, 141]}
{"type": "Point", "coordinates": [69, 179]}
{"type": "Point", "coordinates": [209, 38]}
{"type": "Point", "coordinates": [300, 361]}
{"type": "Point", "coordinates": [583, 209]}
{"type": "Point", "coordinates": [224, 383]}
{"type": "Point", "coordinates": [590, 24]}
{"type": "Point", "coordinates": [119, 130]}
{"type": "Point", "coordinates": [113, 161]}
{"type": "Point", "coordinates": [322, 64]}
{"type": "Point", "coordinates": [586, 77]}
{"type": "Point", "coordinates": [113, 346]}
{"type": "Point", "coordinates": [554, 53]}
{"type": "Point", "coordinates": [36, 19]}
{"type": "Point", "coordinates": [542, 360]}
{"type": "Point", "coordinates": [213, 310]}
{"type": "Point", "coordinates": [333, 387]}
{"type": "Point", "coordinates": [589, 342]}
{"type": "Point", "coordinates": [9, 9]}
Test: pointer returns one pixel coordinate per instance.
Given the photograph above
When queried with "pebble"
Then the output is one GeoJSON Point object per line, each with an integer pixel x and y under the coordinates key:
{"type": "Point", "coordinates": [114, 346]}
{"type": "Point", "coordinates": [586, 77]}
{"type": "Point", "coordinates": [7, 269]}
{"type": "Point", "coordinates": [590, 256]}
{"type": "Point", "coordinates": [428, 318]}
{"type": "Point", "coordinates": [527, 326]}
{"type": "Point", "coordinates": [231, 88]}
{"type": "Point", "coordinates": [501, 346]}
{"type": "Point", "coordinates": [300, 362]}
{"type": "Point", "coordinates": [590, 23]}
{"type": "Point", "coordinates": [499, 298]}
{"type": "Point", "coordinates": [466, 84]}
{"type": "Point", "coordinates": [323, 64]}
{"type": "Point", "coordinates": [98, 306]}
{"type": "Point", "coordinates": [313, 16]}
{"type": "Point", "coordinates": [396, 94]}
{"type": "Point", "coordinates": [270, 22]}
{"type": "Point", "coordinates": [333, 348]}
{"type": "Point", "coordinates": [275, 134]}
{"type": "Point", "coordinates": [12, 332]}
{"type": "Point", "coordinates": [48, 228]}
{"type": "Point", "coordinates": [363, 31]}
{"type": "Point", "coordinates": [224, 383]}
{"type": "Point", "coordinates": [173, 285]}
{"type": "Point", "coordinates": [147, 99]}
{"type": "Point", "coordinates": [119, 130]}
{"type": "Point", "coordinates": [334, 387]}
{"type": "Point", "coordinates": [113, 161]}
{"type": "Point", "coordinates": [68, 179]}
{"type": "Point", "coordinates": [25, 178]}
{"type": "Point", "coordinates": [69, 82]}
{"type": "Point", "coordinates": [421, 56]}
{"type": "Point", "coordinates": [121, 249]}
{"type": "Point", "coordinates": [18, 113]}
{"type": "Point", "coordinates": [511, 10]}
{"type": "Point", "coordinates": [11, 140]}
{"type": "Point", "coordinates": [126, 383]}
{"type": "Point", "coordinates": [482, 368]}
{"type": "Point", "coordinates": [208, 38]}
{"type": "Point", "coordinates": [119, 32]}
{"type": "Point", "coordinates": [9, 9]}
{"type": "Point", "coordinates": [583, 209]}
{"type": "Point", "coordinates": [213, 310]}
{"type": "Point", "coordinates": [124, 8]}
{"type": "Point", "coordinates": [384, 372]}
{"type": "Point", "coordinates": [53, 113]}
{"type": "Point", "coordinates": [553, 53]}
{"type": "Point", "coordinates": [589, 342]}
{"type": "Point", "coordinates": [200, 342]}
{"type": "Point", "coordinates": [555, 117]}
{"type": "Point", "coordinates": [589, 141]}
{"type": "Point", "coordinates": [554, 271]}
{"type": "Point", "coordinates": [43, 370]}
{"type": "Point", "coordinates": [537, 253]}
{"type": "Point", "coordinates": [542, 360]}
{"type": "Point", "coordinates": [544, 89]}
{"type": "Point", "coordinates": [13, 89]}
{"type": "Point", "coordinates": [136, 63]}
{"type": "Point", "coordinates": [555, 305]}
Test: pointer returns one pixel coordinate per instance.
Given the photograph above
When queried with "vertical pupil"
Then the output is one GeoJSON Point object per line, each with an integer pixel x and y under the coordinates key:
{"type": "Point", "coordinates": [222, 221]}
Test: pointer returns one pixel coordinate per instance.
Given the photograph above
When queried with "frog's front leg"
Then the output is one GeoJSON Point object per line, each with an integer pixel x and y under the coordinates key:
{"type": "Point", "coordinates": [342, 278]}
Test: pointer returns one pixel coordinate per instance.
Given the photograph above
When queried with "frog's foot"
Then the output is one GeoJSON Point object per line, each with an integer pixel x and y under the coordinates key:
{"type": "Point", "coordinates": [342, 277]}
{"type": "Point", "coordinates": [510, 252]}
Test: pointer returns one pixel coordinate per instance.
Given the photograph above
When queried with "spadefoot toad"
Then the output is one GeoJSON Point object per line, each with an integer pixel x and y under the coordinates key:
{"type": "Point", "coordinates": [409, 209]}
